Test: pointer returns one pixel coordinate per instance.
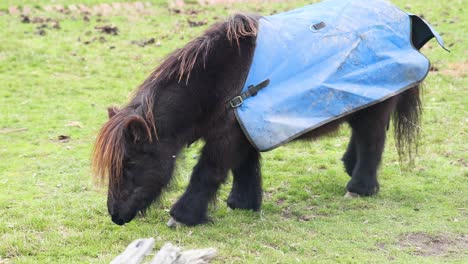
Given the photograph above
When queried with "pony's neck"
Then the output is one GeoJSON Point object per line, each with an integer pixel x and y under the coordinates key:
{"type": "Point", "coordinates": [185, 106]}
{"type": "Point", "coordinates": [189, 111]}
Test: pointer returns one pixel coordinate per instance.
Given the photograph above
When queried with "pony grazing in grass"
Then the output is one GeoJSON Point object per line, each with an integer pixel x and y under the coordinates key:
{"type": "Point", "coordinates": [189, 97]}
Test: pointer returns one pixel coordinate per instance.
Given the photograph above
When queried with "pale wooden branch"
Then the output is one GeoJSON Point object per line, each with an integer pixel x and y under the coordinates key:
{"type": "Point", "coordinates": [197, 256]}
{"type": "Point", "coordinates": [13, 130]}
{"type": "Point", "coordinates": [168, 254]}
{"type": "Point", "coordinates": [135, 252]}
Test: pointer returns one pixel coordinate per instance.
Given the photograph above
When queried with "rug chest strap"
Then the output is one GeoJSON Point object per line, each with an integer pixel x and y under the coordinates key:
{"type": "Point", "coordinates": [252, 90]}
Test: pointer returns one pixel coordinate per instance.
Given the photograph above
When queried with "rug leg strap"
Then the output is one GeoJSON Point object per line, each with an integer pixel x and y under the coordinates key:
{"type": "Point", "coordinates": [252, 90]}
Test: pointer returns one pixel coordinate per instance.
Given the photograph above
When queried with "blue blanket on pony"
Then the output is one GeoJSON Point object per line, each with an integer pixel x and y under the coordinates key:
{"type": "Point", "coordinates": [318, 63]}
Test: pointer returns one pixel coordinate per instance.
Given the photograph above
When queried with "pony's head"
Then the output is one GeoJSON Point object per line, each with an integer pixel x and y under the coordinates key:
{"type": "Point", "coordinates": [137, 165]}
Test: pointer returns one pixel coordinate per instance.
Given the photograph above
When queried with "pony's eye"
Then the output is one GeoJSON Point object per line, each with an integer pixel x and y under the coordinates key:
{"type": "Point", "coordinates": [128, 163]}
{"type": "Point", "coordinates": [131, 164]}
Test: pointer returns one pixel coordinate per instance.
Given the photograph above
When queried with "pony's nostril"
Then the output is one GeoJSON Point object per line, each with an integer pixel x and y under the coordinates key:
{"type": "Point", "coordinates": [117, 220]}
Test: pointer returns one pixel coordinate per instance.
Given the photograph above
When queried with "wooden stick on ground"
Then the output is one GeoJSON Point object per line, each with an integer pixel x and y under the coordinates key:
{"type": "Point", "coordinates": [135, 252]}
{"type": "Point", "coordinates": [12, 130]}
{"type": "Point", "coordinates": [197, 256]}
{"type": "Point", "coordinates": [169, 254]}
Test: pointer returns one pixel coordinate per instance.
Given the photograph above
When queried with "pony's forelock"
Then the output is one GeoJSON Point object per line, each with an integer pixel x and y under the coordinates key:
{"type": "Point", "coordinates": [109, 149]}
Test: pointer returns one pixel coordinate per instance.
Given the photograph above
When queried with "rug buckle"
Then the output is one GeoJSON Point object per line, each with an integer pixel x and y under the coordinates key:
{"type": "Point", "coordinates": [236, 101]}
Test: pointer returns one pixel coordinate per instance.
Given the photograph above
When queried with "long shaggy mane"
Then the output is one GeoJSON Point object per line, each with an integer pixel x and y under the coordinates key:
{"type": "Point", "coordinates": [109, 149]}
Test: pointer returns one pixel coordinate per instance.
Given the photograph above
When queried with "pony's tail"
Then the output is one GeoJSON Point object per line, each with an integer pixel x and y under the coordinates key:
{"type": "Point", "coordinates": [406, 123]}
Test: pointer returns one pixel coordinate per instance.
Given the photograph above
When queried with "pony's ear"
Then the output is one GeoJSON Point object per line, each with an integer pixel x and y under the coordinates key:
{"type": "Point", "coordinates": [112, 111]}
{"type": "Point", "coordinates": [137, 130]}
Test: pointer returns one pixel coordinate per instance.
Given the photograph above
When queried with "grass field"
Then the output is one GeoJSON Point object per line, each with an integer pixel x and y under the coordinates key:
{"type": "Point", "coordinates": [55, 85]}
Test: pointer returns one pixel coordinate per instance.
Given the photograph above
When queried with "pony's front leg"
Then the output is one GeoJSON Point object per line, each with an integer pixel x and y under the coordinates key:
{"type": "Point", "coordinates": [209, 173]}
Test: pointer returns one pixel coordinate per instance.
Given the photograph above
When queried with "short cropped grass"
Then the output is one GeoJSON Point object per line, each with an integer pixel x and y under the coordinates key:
{"type": "Point", "coordinates": [55, 86]}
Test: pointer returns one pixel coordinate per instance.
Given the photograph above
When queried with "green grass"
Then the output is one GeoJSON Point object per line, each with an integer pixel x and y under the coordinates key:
{"type": "Point", "coordinates": [51, 212]}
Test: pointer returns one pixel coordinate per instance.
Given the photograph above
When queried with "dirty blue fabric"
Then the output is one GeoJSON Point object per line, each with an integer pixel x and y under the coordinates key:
{"type": "Point", "coordinates": [328, 60]}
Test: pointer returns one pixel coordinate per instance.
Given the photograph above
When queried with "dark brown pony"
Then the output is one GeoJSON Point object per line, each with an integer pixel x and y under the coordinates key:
{"type": "Point", "coordinates": [186, 98]}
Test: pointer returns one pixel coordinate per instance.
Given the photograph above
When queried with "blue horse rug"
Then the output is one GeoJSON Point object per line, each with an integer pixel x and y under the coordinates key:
{"type": "Point", "coordinates": [318, 63]}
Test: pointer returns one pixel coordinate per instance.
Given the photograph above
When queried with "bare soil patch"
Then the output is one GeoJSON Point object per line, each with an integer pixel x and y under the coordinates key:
{"type": "Point", "coordinates": [146, 42]}
{"type": "Point", "coordinates": [423, 244]}
{"type": "Point", "coordinates": [108, 29]}
{"type": "Point", "coordinates": [193, 23]}
{"type": "Point", "coordinates": [104, 9]}
{"type": "Point", "coordinates": [456, 69]}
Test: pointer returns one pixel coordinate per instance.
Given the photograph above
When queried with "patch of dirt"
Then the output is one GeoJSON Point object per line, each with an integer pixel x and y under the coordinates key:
{"type": "Point", "coordinates": [63, 138]}
{"type": "Point", "coordinates": [104, 9]}
{"type": "Point", "coordinates": [40, 32]}
{"type": "Point", "coordinates": [423, 244]}
{"type": "Point", "coordinates": [280, 201]}
{"type": "Point", "coordinates": [192, 23]}
{"type": "Point", "coordinates": [146, 42]}
{"type": "Point", "coordinates": [224, 2]}
{"type": "Point", "coordinates": [180, 6]}
{"type": "Point", "coordinates": [460, 161]}
{"type": "Point", "coordinates": [306, 218]}
{"type": "Point", "coordinates": [108, 29]}
{"type": "Point", "coordinates": [100, 39]}
{"type": "Point", "coordinates": [457, 69]}
{"type": "Point", "coordinates": [42, 23]}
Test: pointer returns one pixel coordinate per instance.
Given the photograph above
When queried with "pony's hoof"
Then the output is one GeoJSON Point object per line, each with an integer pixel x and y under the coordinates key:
{"type": "Point", "coordinates": [351, 195]}
{"type": "Point", "coordinates": [172, 223]}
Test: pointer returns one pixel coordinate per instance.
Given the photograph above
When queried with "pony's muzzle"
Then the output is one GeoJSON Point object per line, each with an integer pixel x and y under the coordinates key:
{"type": "Point", "coordinates": [117, 220]}
{"type": "Point", "coordinates": [114, 213]}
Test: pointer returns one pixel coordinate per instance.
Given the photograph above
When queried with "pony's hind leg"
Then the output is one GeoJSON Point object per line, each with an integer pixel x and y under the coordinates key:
{"type": "Point", "coordinates": [246, 192]}
{"type": "Point", "coordinates": [350, 156]}
{"type": "Point", "coordinates": [369, 131]}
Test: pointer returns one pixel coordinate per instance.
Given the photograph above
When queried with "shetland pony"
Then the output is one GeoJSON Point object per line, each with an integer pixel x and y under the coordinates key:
{"type": "Point", "coordinates": [186, 99]}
